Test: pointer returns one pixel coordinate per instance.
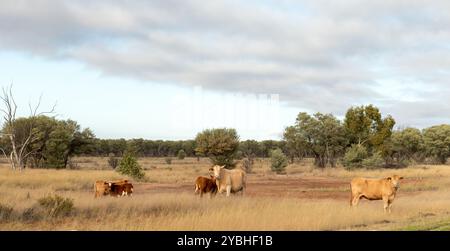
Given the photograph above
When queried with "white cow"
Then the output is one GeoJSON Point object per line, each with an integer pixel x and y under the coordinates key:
{"type": "Point", "coordinates": [231, 181]}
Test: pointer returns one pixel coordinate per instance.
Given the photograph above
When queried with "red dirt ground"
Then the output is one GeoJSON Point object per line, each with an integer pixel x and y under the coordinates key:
{"type": "Point", "coordinates": [277, 186]}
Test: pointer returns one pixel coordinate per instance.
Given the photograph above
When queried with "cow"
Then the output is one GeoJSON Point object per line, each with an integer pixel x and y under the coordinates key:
{"type": "Point", "coordinates": [205, 185]}
{"type": "Point", "coordinates": [229, 181]}
{"type": "Point", "coordinates": [375, 189]}
{"type": "Point", "coordinates": [101, 188]}
{"type": "Point", "coordinates": [121, 188]}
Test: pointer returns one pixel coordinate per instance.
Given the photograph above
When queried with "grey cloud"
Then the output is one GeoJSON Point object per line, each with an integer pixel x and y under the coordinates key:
{"type": "Point", "coordinates": [318, 55]}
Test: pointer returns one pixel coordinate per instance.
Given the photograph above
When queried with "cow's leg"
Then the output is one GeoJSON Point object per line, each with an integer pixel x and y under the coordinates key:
{"type": "Point", "coordinates": [355, 200]}
{"type": "Point", "coordinates": [386, 204]}
{"type": "Point", "coordinates": [228, 190]}
{"type": "Point", "coordinates": [389, 205]}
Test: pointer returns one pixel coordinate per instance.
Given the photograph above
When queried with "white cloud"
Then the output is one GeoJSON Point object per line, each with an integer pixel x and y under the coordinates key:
{"type": "Point", "coordinates": [318, 55]}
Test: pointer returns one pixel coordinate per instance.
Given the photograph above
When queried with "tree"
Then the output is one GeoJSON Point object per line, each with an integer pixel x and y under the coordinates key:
{"type": "Point", "coordinates": [407, 144]}
{"type": "Point", "coordinates": [278, 161]}
{"type": "Point", "coordinates": [364, 125]}
{"type": "Point", "coordinates": [321, 134]}
{"type": "Point", "coordinates": [220, 145]}
{"type": "Point", "coordinates": [437, 142]}
{"type": "Point", "coordinates": [18, 149]}
{"type": "Point", "coordinates": [295, 144]}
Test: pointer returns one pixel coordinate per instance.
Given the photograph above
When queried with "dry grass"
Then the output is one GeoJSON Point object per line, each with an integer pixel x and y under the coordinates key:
{"type": "Point", "coordinates": [427, 200]}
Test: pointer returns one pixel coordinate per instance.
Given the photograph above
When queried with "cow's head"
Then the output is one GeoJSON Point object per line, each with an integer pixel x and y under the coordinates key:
{"type": "Point", "coordinates": [216, 171]}
{"type": "Point", "coordinates": [106, 188]}
{"type": "Point", "coordinates": [395, 180]}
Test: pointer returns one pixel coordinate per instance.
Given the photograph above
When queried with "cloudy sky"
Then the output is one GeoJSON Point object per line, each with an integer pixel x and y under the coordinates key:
{"type": "Point", "coordinates": [167, 69]}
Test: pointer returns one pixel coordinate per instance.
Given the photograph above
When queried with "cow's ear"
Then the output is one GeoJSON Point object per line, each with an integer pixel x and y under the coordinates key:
{"type": "Point", "coordinates": [401, 177]}
{"type": "Point", "coordinates": [211, 169]}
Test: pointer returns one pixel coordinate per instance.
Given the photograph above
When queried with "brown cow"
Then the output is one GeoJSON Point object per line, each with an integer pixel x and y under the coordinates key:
{"type": "Point", "coordinates": [121, 188]}
{"type": "Point", "coordinates": [205, 185]}
{"type": "Point", "coordinates": [375, 189]}
{"type": "Point", "coordinates": [101, 188]}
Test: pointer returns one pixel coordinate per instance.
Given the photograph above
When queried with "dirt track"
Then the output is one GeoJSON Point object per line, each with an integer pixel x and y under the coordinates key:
{"type": "Point", "coordinates": [278, 186]}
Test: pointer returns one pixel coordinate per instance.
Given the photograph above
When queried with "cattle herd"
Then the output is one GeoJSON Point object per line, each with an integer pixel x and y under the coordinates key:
{"type": "Point", "coordinates": [116, 188]}
{"type": "Point", "coordinates": [234, 181]}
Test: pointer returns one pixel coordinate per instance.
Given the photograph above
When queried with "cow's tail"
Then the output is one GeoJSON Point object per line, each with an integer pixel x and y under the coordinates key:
{"type": "Point", "coordinates": [244, 180]}
{"type": "Point", "coordinates": [351, 195]}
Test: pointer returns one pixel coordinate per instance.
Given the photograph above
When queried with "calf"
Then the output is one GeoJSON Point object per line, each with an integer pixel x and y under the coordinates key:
{"type": "Point", "coordinates": [120, 188]}
{"type": "Point", "coordinates": [205, 185]}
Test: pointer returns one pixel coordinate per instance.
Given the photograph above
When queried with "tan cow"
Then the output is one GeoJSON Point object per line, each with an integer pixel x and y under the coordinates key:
{"type": "Point", "coordinates": [205, 185]}
{"type": "Point", "coordinates": [101, 188]}
{"type": "Point", "coordinates": [375, 189]}
{"type": "Point", "coordinates": [231, 181]}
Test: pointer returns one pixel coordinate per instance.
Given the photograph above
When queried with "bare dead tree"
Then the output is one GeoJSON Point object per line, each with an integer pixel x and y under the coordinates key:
{"type": "Point", "coordinates": [19, 153]}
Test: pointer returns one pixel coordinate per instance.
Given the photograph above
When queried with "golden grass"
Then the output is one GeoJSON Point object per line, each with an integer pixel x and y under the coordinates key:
{"type": "Point", "coordinates": [427, 200]}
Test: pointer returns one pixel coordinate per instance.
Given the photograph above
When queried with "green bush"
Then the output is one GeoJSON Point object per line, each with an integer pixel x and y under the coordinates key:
{"type": "Point", "coordinates": [129, 166]}
{"type": "Point", "coordinates": [181, 154]}
{"type": "Point", "coordinates": [56, 206]}
{"type": "Point", "coordinates": [5, 212]}
{"type": "Point", "coordinates": [168, 160]}
{"type": "Point", "coordinates": [354, 156]}
{"type": "Point", "coordinates": [278, 160]}
{"type": "Point", "coordinates": [374, 161]}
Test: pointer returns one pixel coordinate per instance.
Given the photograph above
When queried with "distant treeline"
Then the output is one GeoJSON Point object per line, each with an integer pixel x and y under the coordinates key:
{"type": "Point", "coordinates": [363, 139]}
{"type": "Point", "coordinates": [165, 148]}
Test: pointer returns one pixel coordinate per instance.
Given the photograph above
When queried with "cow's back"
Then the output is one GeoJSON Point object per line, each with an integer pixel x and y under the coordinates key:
{"type": "Point", "coordinates": [372, 189]}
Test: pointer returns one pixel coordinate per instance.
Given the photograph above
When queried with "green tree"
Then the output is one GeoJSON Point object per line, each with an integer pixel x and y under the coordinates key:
{"type": "Point", "coordinates": [278, 161]}
{"type": "Point", "coordinates": [407, 144]}
{"type": "Point", "coordinates": [53, 141]}
{"type": "Point", "coordinates": [437, 142]}
{"type": "Point", "coordinates": [295, 143]}
{"type": "Point", "coordinates": [365, 125]}
{"type": "Point", "coordinates": [220, 145]}
{"type": "Point", "coordinates": [321, 134]}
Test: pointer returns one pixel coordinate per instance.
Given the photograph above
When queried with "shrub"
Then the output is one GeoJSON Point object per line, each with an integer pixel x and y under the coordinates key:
{"type": "Point", "coordinates": [113, 162]}
{"type": "Point", "coordinates": [374, 161]}
{"type": "Point", "coordinates": [5, 212]}
{"type": "Point", "coordinates": [354, 156]}
{"type": "Point", "coordinates": [279, 161]}
{"type": "Point", "coordinates": [181, 154]}
{"type": "Point", "coordinates": [129, 166]}
{"type": "Point", "coordinates": [55, 206]}
{"type": "Point", "coordinates": [168, 160]}
{"type": "Point", "coordinates": [30, 215]}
